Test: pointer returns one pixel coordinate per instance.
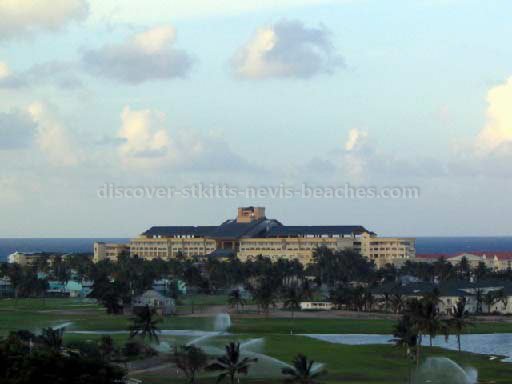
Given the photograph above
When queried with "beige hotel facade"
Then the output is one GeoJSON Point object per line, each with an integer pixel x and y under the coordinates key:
{"type": "Point", "coordinates": [251, 234]}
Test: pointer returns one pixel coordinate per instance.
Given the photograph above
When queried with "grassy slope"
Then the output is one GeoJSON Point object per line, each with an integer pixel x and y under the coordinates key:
{"type": "Point", "coordinates": [348, 364]}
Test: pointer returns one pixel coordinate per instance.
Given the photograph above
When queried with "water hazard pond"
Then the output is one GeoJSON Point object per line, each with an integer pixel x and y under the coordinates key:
{"type": "Point", "coordinates": [486, 344]}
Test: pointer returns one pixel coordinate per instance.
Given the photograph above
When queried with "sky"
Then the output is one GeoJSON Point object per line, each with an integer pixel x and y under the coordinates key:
{"type": "Point", "coordinates": [255, 94]}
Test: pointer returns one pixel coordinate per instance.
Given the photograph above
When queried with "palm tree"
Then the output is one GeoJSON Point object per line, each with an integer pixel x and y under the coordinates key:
{"type": "Point", "coordinates": [303, 371]}
{"type": "Point", "coordinates": [459, 319]}
{"type": "Point", "coordinates": [190, 359]}
{"type": "Point", "coordinates": [479, 297]}
{"type": "Point", "coordinates": [231, 364]}
{"type": "Point", "coordinates": [397, 302]}
{"type": "Point", "coordinates": [292, 297]}
{"type": "Point", "coordinates": [235, 299]}
{"type": "Point", "coordinates": [405, 334]}
{"type": "Point", "coordinates": [265, 296]}
{"type": "Point", "coordinates": [433, 323]}
{"type": "Point", "coordinates": [425, 319]}
{"type": "Point", "coordinates": [144, 324]}
{"type": "Point", "coordinates": [307, 290]}
{"type": "Point", "coordinates": [369, 300]}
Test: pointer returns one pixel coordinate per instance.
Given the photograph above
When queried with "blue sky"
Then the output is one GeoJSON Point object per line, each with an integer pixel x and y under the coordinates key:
{"type": "Point", "coordinates": [255, 93]}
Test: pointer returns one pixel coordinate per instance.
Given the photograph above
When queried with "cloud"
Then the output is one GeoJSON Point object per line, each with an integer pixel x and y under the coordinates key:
{"type": "Point", "coordinates": [356, 140]}
{"type": "Point", "coordinates": [4, 71]}
{"type": "Point", "coordinates": [356, 156]}
{"type": "Point", "coordinates": [7, 78]}
{"type": "Point", "coordinates": [149, 55]}
{"type": "Point", "coordinates": [286, 49]}
{"type": "Point", "coordinates": [497, 132]}
{"type": "Point", "coordinates": [146, 142]}
{"type": "Point", "coordinates": [17, 130]}
{"type": "Point", "coordinates": [25, 17]}
{"type": "Point", "coordinates": [62, 74]}
{"type": "Point", "coordinates": [143, 136]}
{"type": "Point", "coordinates": [53, 137]}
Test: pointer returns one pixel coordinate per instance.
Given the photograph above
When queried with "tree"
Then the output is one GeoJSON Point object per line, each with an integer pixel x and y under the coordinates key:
{"type": "Point", "coordinates": [21, 365]}
{"type": "Point", "coordinates": [303, 371]}
{"type": "Point", "coordinates": [190, 360]}
{"type": "Point", "coordinates": [333, 267]}
{"type": "Point", "coordinates": [109, 294]}
{"type": "Point", "coordinates": [235, 299]}
{"type": "Point", "coordinates": [432, 321]}
{"type": "Point", "coordinates": [15, 274]}
{"type": "Point", "coordinates": [459, 319]}
{"type": "Point", "coordinates": [494, 297]}
{"type": "Point", "coordinates": [405, 334]}
{"type": "Point", "coordinates": [481, 271]}
{"type": "Point", "coordinates": [52, 338]}
{"type": "Point", "coordinates": [369, 300]}
{"type": "Point", "coordinates": [292, 297]}
{"type": "Point", "coordinates": [106, 347]}
{"type": "Point", "coordinates": [425, 319]}
{"type": "Point", "coordinates": [231, 364]}
{"type": "Point", "coordinates": [144, 324]}
{"type": "Point", "coordinates": [397, 302]}
{"type": "Point", "coordinates": [479, 297]}
{"type": "Point", "coordinates": [265, 295]}
{"type": "Point", "coordinates": [307, 290]}
{"type": "Point", "coordinates": [464, 268]}
{"type": "Point", "coordinates": [60, 270]}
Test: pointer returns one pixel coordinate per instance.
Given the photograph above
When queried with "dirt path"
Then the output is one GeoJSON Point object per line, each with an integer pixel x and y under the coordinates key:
{"type": "Point", "coordinates": [251, 311]}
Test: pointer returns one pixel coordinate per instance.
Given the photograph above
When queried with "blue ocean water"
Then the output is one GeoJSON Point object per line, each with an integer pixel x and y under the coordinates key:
{"type": "Point", "coordinates": [423, 244]}
{"type": "Point", "coordinates": [8, 246]}
{"type": "Point", "coordinates": [463, 244]}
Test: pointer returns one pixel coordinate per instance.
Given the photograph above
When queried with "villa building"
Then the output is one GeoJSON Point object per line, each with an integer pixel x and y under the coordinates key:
{"type": "Point", "coordinates": [109, 251]}
{"type": "Point", "coordinates": [252, 234]}
{"type": "Point", "coordinates": [495, 261]}
{"type": "Point", "coordinates": [32, 258]}
{"type": "Point", "coordinates": [392, 296]}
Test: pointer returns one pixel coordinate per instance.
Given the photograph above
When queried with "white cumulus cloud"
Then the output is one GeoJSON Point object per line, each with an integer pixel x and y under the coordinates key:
{"type": "Point", "coordinates": [23, 17]}
{"type": "Point", "coordinates": [4, 70]}
{"type": "Point", "coordinates": [286, 49]}
{"type": "Point", "coordinates": [148, 55]}
{"type": "Point", "coordinates": [53, 137]}
{"type": "Point", "coordinates": [144, 140]}
{"type": "Point", "coordinates": [147, 142]}
{"type": "Point", "coordinates": [357, 154]}
{"type": "Point", "coordinates": [356, 139]}
{"type": "Point", "coordinates": [498, 129]}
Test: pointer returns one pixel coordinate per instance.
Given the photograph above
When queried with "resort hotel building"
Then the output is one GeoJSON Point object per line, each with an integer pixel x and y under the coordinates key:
{"type": "Point", "coordinates": [252, 234]}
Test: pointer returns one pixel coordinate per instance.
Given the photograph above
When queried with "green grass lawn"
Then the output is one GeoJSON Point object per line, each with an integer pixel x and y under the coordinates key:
{"type": "Point", "coordinates": [369, 364]}
{"type": "Point", "coordinates": [347, 364]}
{"type": "Point", "coordinates": [34, 314]}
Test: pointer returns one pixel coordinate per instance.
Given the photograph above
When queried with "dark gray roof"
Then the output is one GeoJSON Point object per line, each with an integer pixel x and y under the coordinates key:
{"type": "Point", "coordinates": [404, 289]}
{"type": "Point", "coordinates": [199, 231]}
{"type": "Point", "coordinates": [230, 229]}
{"type": "Point", "coordinates": [301, 230]}
{"type": "Point", "coordinates": [450, 288]}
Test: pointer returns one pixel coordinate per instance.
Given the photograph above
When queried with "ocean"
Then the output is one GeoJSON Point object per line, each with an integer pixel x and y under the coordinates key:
{"type": "Point", "coordinates": [423, 245]}
{"type": "Point", "coordinates": [68, 245]}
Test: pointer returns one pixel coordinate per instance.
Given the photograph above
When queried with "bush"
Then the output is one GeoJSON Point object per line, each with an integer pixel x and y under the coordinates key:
{"type": "Point", "coordinates": [85, 348]}
{"type": "Point", "coordinates": [132, 349]}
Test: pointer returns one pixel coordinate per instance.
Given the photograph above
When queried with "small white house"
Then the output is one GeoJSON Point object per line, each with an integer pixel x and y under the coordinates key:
{"type": "Point", "coordinates": [163, 305]}
{"type": "Point", "coordinates": [316, 306]}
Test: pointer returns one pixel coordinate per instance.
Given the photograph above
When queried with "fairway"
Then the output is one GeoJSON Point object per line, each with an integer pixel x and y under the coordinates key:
{"type": "Point", "coordinates": [344, 363]}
